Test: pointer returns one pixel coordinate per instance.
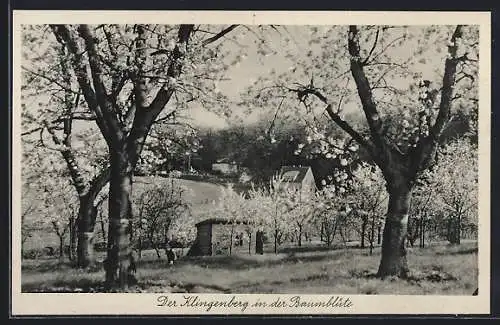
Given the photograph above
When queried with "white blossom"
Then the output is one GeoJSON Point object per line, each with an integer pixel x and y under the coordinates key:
{"type": "Point", "coordinates": [171, 82]}
{"type": "Point", "coordinates": [171, 44]}
{"type": "Point", "coordinates": [353, 147]}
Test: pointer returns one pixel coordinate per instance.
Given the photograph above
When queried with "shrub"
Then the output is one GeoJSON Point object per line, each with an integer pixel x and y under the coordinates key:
{"type": "Point", "coordinates": [35, 253]}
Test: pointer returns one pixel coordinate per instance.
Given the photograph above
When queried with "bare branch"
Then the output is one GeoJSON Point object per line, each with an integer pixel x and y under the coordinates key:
{"type": "Point", "coordinates": [363, 85]}
{"type": "Point", "coordinates": [338, 120]}
{"type": "Point", "coordinates": [65, 37]}
{"type": "Point", "coordinates": [347, 128]}
{"type": "Point", "coordinates": [373, 47]}
{"type": "Point", "coordinates": [145, 116]}
{"type": "Point", "coordinates": [108, 112]}
{"type": "Point", "coordinates": [71, 162]}
{"type": "Point", "coordinates": [271, 126]}
{"type": "Point", "coordinates": [222, 33]}
{"type": "Point", "coordinates": [386, 47]}
{"type": "Point", "coordinates": [166, 117]}
{"type": "Point", "coordinates": [50, 79]}
{"type": "Point", "coordinates": [448, 84]}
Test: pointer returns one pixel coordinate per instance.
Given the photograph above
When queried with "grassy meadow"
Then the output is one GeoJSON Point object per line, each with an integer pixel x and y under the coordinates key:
{"type": "Point", "coordinates": [440, 269]}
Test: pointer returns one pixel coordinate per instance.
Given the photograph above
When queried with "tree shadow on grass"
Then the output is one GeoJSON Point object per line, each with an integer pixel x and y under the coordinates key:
{"type": "Point", "coordinates": [242, 262]}
{"type": "Point", "coordinates": [48, 266]}
{"type": "Point", "coordinates": [81, 285]}
{"type": "Point", "coordinates": [306, 249]}
{"type": "Point", "coordinates": [472, 250]}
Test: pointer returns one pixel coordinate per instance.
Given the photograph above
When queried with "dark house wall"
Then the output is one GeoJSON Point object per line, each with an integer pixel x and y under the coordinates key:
{"type": "Point", "coordinates": [204, 239]}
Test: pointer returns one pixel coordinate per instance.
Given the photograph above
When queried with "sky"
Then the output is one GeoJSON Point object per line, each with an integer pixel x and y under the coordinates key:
{"type": "Point", "coordinates": [256, 65]}
{"type": "Point", "coordinates": [241, 76]}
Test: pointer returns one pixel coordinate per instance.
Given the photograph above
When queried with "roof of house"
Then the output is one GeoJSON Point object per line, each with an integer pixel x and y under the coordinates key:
{"type": "Point", "coordinates": [218, 221]}
{"type": "Point", "coordinates": [294, 174]}
{"type": "Point", "coordinates": [225, 161]}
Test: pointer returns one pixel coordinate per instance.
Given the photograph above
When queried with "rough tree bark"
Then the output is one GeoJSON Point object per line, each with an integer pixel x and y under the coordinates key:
{"type": "Point", "coordinates": [87, 191]}
{"type": "Point", "coordinates": [125, 143]}
{"type": "Point", "coordinates": [393, 260]}
{"type": "Point", "coordinates": [400, 170]}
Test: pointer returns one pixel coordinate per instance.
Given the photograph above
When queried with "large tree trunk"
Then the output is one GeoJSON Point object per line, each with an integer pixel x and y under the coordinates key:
{"type": "Point", "coordinates": [86, 222]}
{"type": "Point", "coordinates": [393, 262]}
{"type": "Point", "coordinates": [120, 215]}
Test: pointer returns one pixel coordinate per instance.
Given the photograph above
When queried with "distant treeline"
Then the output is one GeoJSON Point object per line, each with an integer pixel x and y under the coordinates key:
{"type": "Point", "coordinates": [263, 149]}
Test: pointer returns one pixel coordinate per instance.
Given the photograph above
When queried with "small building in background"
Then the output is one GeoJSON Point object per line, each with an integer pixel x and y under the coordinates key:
{"type": "Point", "coordinates": [245, 175]}
{"type": "Point", "coordinates": [297, 178]}
{"type": "Point", "coordinates": [225, 167]}
{"type": "Point", "coordinates": [219, 236]}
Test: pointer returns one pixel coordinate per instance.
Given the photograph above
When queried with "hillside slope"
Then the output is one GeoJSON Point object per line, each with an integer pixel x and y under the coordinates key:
{"type": "Point", "coordinates": [200, 196]}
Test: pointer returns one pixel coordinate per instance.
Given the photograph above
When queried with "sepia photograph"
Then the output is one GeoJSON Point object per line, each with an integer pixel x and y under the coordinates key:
{"type": "Point", "coordinates": [189, 159]}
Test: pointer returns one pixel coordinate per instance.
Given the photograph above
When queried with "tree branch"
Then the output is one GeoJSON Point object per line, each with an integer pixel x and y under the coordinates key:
{"type": "Point", "coordinates": [340, 122]}
{"type": "Point", "coordinates": [65, 38]}
{"type": "Point", "coordinates": [448, 84]}
{"type": "Point", "coordinates": [140, 82]}
{"type": "Point", "coordinates": [109, 114]}
{"type": "Point", "coordinates": [363, 85]}
{"type": "Point", "coordinates": [373, 47]}
{"type": "Point", "coordinates": [50, 79]}
{"type": "Point", "coordinates": [71, 162]}
{"type": "Point", "coordinates": [222, 33]}
{"type": "Point", "coordinates": [145, 116]}
{"type": "Point", "coordinates": [423, 154]}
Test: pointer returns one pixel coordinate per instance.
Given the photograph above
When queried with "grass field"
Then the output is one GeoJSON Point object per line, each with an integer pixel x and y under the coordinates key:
{"type": "Point", "coordinates": [440, 269]}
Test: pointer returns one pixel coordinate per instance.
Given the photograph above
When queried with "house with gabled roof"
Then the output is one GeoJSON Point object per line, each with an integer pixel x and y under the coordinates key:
{"type": "Point", "coordinates": [297, 178]}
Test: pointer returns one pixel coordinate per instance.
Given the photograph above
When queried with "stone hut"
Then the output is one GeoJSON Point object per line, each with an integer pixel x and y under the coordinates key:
{"type": "Point", "coordinates": [219, 236]}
